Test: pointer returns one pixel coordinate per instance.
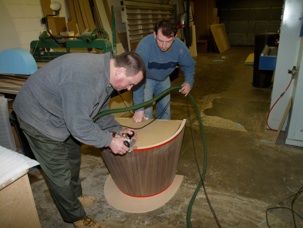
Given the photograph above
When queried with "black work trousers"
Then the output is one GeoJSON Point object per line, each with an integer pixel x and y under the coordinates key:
{"type": "Point", "coordinates": [60, 162]}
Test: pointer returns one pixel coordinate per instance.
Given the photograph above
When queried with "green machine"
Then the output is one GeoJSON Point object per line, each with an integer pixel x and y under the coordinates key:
{"type": "Point", "coordinates": [49, 47]}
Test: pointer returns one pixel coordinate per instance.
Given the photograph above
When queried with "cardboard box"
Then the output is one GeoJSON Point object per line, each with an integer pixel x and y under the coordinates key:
{"type": "Point", "coordinates": [56, 25]}
{"type": "Point", "coordinates": [18, 208]}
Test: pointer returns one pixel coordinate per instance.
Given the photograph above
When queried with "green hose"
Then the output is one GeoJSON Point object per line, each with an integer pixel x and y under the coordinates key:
{"type": "Point", "coordinates": [202, 177]}
{"type": "Point", "coordinates": [147, 103]}
{"type": "Point", "coordinates": [144, 104]}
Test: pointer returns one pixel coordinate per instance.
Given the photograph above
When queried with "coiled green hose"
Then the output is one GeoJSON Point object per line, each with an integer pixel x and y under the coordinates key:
{"type": "Point", "coordinates": [147, 103]}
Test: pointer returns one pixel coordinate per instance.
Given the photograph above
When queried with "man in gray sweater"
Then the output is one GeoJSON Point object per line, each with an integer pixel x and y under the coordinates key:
{"type": "Point", "coordinates": [55, 109]}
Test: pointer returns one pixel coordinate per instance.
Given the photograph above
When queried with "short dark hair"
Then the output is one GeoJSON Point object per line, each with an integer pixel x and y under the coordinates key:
{"type": "Point", "coordinates": [131, 61]}
{"type": "Point", "coordinates": [169, 27]}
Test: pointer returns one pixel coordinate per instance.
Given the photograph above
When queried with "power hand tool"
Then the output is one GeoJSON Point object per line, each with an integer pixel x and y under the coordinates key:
{"type": "Point", "coordinates": [129, 142]}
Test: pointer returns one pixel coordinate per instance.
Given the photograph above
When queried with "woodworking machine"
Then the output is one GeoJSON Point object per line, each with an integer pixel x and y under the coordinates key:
{"type": "Point", "coordinates": [48, 47]}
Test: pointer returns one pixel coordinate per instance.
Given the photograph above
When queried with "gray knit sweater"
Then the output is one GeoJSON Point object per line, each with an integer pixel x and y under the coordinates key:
{"type": "Point", "coordinates": [62, 97]}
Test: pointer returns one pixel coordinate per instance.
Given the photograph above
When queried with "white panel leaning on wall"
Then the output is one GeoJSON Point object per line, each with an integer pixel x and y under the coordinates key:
{"type": "Point", "coordinates": [6, 134]}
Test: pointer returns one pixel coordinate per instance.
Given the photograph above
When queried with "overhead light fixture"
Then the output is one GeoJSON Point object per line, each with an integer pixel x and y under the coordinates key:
{"type": "Point", "coordinates": [56, 7]}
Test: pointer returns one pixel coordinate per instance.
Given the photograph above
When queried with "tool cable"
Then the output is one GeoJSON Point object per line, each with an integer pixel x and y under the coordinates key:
{"type": "Point", "coordinates": [274, 104]}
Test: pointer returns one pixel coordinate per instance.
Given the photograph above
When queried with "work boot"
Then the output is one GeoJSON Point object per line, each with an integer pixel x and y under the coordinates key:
{"type": "Point", "coordinates": [87, 201]}
{"type": "Point", "coordinates": [88, 222]}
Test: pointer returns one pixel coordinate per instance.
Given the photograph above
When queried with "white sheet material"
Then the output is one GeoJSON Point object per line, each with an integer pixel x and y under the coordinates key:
{"type": "Point", "coordinates": [6, 134]}
{"type": "Point", "coordinates": [13, 165]}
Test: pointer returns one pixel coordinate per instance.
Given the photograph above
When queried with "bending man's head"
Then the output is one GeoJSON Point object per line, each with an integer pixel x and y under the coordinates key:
{"type": "Point", "coordinates": [126, 70]}
{"type": "Point", "coordinates": [165, 33]}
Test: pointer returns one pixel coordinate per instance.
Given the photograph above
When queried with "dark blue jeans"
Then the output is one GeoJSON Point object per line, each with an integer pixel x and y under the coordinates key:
{"type": "Point", "coordinates": [152, 89]}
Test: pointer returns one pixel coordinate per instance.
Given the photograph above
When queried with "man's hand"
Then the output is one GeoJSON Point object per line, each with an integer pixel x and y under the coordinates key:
{"type": "Point", "coordinates": [138, 116]}
{"type": "Point", "coordinates": [117, 146]}
{"type": "Point", "coordinates": [185, 89]}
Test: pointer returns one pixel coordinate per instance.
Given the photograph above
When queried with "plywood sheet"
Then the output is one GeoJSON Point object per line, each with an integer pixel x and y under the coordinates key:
{"type": "Point", "coordinates": [126, 203]}
{"type": "Point", "coordinates": [151, 133]}
{"type": "Point", "coordinates": [220, 36]}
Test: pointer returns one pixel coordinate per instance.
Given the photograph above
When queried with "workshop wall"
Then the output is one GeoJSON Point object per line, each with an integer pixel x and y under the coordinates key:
{"type": "Point", "coordinates": [243, 19]}
{"type": "Point", "coordinates": [19, 23]}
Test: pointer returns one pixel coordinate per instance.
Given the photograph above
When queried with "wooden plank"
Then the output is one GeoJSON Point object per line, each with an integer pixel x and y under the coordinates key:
{"type": "Point", "coordinates": [193, 47]}
{"type": "Point", "coordinates": [106, 24]}
{"type": "Point", "coordinates": [89, 15]}
{"type": "Point", "coordinates": [83, 14]}
{"type": "Point", "coordinates": [45, 4]}
{"type": "Point", "coordinates": [102, 12]}
{"type": "Point", "coordinates": [219, 33]}
{"type": "Point", "coordinates": [107, 11]}
{"type": "Point", "coordinates": [72, 20]}
{"type": "Point", "coordinates": [81, 26]}
{"type": "Point", "coordinates": [97, 17]}
{"type": "Point", "coordinates": [215, 18]}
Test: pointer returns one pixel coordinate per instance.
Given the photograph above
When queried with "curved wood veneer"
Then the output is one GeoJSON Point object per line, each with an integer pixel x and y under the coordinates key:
{"type": "Point", "coordinates": [151, 168]}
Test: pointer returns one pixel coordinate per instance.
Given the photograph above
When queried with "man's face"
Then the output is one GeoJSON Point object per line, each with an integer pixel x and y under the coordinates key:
{"type": "Point", "coordinates": [122, 81]}
{"type": "Point", "coordinates": [163, 42]}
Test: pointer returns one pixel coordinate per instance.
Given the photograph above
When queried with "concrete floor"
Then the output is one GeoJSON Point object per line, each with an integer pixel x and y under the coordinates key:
{"type": "Point", "coordinates": [247, 169]}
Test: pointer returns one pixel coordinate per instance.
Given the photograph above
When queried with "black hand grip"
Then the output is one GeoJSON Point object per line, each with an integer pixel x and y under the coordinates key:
{"type": "Point", "coordinates": [131, 135]}
{"type": "Point", "coordinates": [126, 143]}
